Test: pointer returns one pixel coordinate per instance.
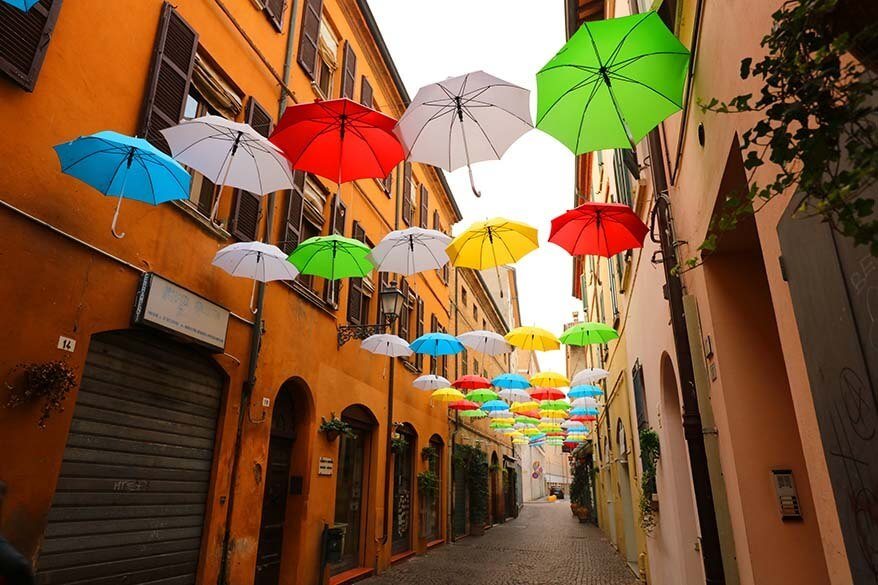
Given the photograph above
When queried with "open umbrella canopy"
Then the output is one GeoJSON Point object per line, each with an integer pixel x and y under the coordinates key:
{"type": "Point", "coordinates": [572, 424]}
{"type": "Point", "coordinates": [481, 395]}
{"type": "Point", "coordinates": [256, 260]}
{"type": "Point", "coordinates": [499, 413]}
{"type": "Point", "coordinates": [124, 167]}
{"type": "Point", "coordinates": [463, 405]}
{"type": "Point", "coordinates": [332, 257]}
{"type": "Point", "coordinates": [613, 82]}
{"type": "Point", "coordinates": [511, 381]}
{"type": "Point", "coordinates": [585, 401]}
{"type": "Point", "coordinates": [588, 333]}
{"type": "Point", "coordinates": [514, 395]}
{"type": "Point", "coordinates": [430, 382]}
{"type": "Point", "coordinates": [486, 342]}
{"type": "Point", "coordinates": [464, 120]}
{"type": "Point", "coordinates": [410, 251]}
{"type": "Point", "coordinates": [23, 5]}
{"type": "Point", "coordinates": [446, 395]}
{"type": "Point", "coordinates": [529, 404]}
{"type": "Point", "coordinates": [494, 242]}
{"type": "Point", "coordinates": [546, 394]}
{"type": "Point", "coordinates": [533, 339]}
{"type": "Point", "coordinates": [588, 375]}
{"type": "Point", "coordinates": [436, 344]}
{"type": "Point", "coordinates": [584, 390]}
{"type": "Point", "coordinates": [340, 140]}
{"type": "Point", "coordinates": [471, 382]}
{"type": "Point", "coordinates": [386, 344]}
{"type": "Point", "coordinates": [583, 410]}
{"type": "Point", "coordinates": [549, 380]}
{"type": "Point", "coordinates": [598, 229]}
{"type": "Point", "coordinates": [479, 413]}
{"type": "Point", "coordinates": [495, 406]}
{"type": "Point", "coordinates": [555, 405]}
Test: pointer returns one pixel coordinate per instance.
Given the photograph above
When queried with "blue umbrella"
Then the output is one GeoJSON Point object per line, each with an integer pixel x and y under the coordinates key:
{"type": "Point", "coordinates": [584, 390]}
{"type": "Point", "coordinates": [435, 344]}
{"type": "Point", "coordinates": [495, 405]}
{"type": "Point", "coordinates": [512, 381]}
{"type": "Point", "coordinates": [584, 410]}
{"type": "Point", "coordinates": [122, 166]}
{"type": "Point", "coordinates": [24, 5]}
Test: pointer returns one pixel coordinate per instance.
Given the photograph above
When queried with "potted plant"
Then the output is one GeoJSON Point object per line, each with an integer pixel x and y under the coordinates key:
{"type": "Point", "coordinates": [428, 484]}
{"type": "Point", "coordinates": [650, 452]}
{"type": "Point", "coordinates": [50, 382]}
{"type": "Point", "coordinates": [430, 454]}
{"type": "Point", "coordinates": [398, 443]}
{"type": "Point", "coordinates": [334, 427]}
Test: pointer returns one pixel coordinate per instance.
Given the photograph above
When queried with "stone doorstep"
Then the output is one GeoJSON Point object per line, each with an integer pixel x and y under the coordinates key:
{"type": "Point", "coordinates": [351, 576]}
{"type": "Point", "coordinates": [401, 557]}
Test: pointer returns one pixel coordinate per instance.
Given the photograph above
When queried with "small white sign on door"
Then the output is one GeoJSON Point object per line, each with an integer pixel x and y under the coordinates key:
{"type": "Point", "coordinates": [325, 466]}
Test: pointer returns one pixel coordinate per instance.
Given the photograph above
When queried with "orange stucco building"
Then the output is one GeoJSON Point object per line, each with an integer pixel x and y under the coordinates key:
{"type": "Point", "coordinates": [134, 476]}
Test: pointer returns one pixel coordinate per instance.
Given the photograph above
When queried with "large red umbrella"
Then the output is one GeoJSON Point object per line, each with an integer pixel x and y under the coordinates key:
{"type": "Point", "coordinates": [546, 394]}
{"type": "Point", "coordinates": [340, 140]}
{"type": "Point", "coordinates": [471, 382]}
{"type": "Point", "coordinates": [598, 229]}
{"type": "Point", "coordinates": [584, 417]}
{"type": "Point", "coordinates": [463, 405]}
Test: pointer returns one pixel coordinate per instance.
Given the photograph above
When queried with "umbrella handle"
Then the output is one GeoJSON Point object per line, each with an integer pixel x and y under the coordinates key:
{"type": "Point", "coordinates": [116, 217]}
{"type": "Point", "coordinates": [472, 182]}
{"type": "Point", "coordinates": [219, 194]}
{"type": "Point", "coordinates": [253, 309]}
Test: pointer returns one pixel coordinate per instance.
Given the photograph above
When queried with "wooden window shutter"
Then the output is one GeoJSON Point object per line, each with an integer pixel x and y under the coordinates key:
{"type": "Point", "coordinates": [425, 207]}
{"type": "Point", "coordinates": [308, 35]}
{"type": "Point", "coordinates": [244, 222]}
{"type": "Point", "coordinates": [407, 210]}
{"type": "Point", "coordinates": [274, 10]}
{"type": "Point", "coordinates": [24, 40]}
{"type": "Point", "coordinates": [168, 86]}
{"type": "Point", "coordinates": [434, 328]}
{"type": "Point", "coordinates": [419, 357]}
{"type": "Point", "coordinates": [295, 206]}
{"type": "Point", "coordinates": [383, 282]}
{"type": "Point", "coordinates": [355, 292]}
{"type": "Point", "coordinates": [444, 357]}
{"type": "Point", "coordinates": [388, 183]}
{"type": "Point", "coordinates": [348, 71]}
{"type": "Point", "coordinates": [332, 289]}
{"type": "Point", "coordinates": [403, 312]}
{"type": "Point", "coordinates": [367, 97]}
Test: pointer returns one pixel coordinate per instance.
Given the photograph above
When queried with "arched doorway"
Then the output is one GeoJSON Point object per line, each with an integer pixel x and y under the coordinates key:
{"type": "Point", "coordinates": [625, 497]}
{"type": "Point", "coordinates": [433, 505]}
{"type": "Point", "coordinates": [283, 480]}
{"type": "Point", "coordinates": [354, 457]}
{"type": "Point", "coordinates": [496, 490]}
{"type": "Point", "coordinates": [405, 443]}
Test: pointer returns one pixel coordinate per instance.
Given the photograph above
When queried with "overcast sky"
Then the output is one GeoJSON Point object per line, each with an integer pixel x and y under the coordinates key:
{"type": "Point", "coordinates": [511, 39]}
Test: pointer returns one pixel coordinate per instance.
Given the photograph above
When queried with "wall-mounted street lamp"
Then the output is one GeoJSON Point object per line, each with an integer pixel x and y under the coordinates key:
{"type": "Point", "coordinates": [391, 301]}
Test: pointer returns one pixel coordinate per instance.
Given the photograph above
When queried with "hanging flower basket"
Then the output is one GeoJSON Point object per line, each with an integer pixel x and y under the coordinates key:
{"type": "Point", "coordinates": [50, 382]}
{"type": "Point", "coordinates": [335, 427]}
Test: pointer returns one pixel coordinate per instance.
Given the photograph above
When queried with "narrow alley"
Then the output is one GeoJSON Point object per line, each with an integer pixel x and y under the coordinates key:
{"type": "Point", "coordinates": [544, 545]}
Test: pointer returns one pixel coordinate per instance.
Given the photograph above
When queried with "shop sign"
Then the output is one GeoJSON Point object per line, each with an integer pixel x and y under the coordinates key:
{"type": "Point", "coordinates": [164, 305]}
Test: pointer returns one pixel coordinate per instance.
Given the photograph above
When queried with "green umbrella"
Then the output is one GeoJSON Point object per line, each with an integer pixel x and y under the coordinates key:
{"type": "Point", "coordinates": [332, 257]}
{"type": "Point", "coordinates": [481, 395]}
{"type": "Point", "coordinates": [554, 405]}
{"type": "Point", "coordinates": [588, 334]}
{"type": "Point", "coordinates": [613, 82]}
{"type": "Point", "coordinates": [473, 413]}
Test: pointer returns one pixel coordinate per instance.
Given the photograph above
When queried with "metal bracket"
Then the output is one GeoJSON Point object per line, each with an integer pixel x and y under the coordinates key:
{"type": "Point", "coordinates": [349, 332]}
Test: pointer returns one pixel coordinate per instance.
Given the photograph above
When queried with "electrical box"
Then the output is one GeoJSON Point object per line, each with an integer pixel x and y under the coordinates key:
{"type": "Point", "coordinates": [333, 543]}
{"type": "Point", "coordinates": [787, 497]}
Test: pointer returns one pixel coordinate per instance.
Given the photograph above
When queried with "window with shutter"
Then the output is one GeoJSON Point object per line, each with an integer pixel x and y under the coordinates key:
{"type": "Point", "coordinates": [357, 314]}
{"type": "Point", "coordinates": [168, 86]}
{"type": "Point", "coordinates": [295, 205]}
{"type": "Point", "coordinates": [332, 288]}
{"type": "Point", "coordinates": [404, 311]}
{"type": "Point", "coordinates": [366, 96]}
{"type": "Point", "coordinates": [434, 328]}
{"type": "Point", "coordinates": [464, 363]}
{"type": "Point", "coordinates": [407, 205]}
{"type": "Point", "coordinates": [419, 357]}
{"type": "Point", "coordinates": [274, 10]}
{"type": "Point", "coordinates": [444, 373]}
{"type": "Point", "coordinates": [388, 184]}
{"type": "Point", "coordinates": [348, 71]}
{"type": "Point", "coordinates": [247, 206]}
{"type": "Point", "coordinates": [24, 40]}
{"type": "Point", "coordinates": [639, 396]}
{"type": "Point", "coordinates": [383, 282]}
{"type": "Point", "coordinates": [308, 36]}
{"type": "Point", "coordinates": [423, 215]}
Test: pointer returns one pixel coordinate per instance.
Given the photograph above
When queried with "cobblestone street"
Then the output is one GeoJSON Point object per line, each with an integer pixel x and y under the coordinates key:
{"type": "Point", "coordinates": [545, 545]}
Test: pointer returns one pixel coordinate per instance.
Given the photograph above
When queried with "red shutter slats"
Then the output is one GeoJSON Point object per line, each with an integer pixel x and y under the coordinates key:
{"type": "Point", "coordinates": [168, 86]}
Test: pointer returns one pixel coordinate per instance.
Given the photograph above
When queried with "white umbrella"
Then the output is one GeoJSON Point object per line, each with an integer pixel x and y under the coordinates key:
{"type": "Point", "coordinates": [230, 154]}
{"type": "Point", "coordinates": [573, 424]}
{"type": "Point", "coordinates": [387, 344]}
{"type": "Point", "coordinates": [514, 395]}
{"type": "Point", "coordinates": [588, 376]}
{"type": "Point", "coordinates": [411, 250]}
{"type": "Point", "coordinates": [431, 382]}
{"type": "Point", "coordinates": [500, 414]}
{"type": "Point", "coordinates": [463, 120]}
{"type": "Point", "coordinates": [256, 260]}
{"type": "Point", "coordinates": [486, 342]}
{"type": "Point", "coordinates": [585, 402]}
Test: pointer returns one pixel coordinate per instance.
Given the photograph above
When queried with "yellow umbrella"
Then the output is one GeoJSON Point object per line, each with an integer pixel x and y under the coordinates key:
{"type": "Point", "coordinates": [533, 339]}
{"type": "Point", "coordinates": [495, 242]}
{"type": "Point", "coordinates": [552, 415]}
{"type": "Point", "coordinates": [446, 395]}
{"type": "Point", "coordinates": [549, 380]}
{"type": "Point", "coordinates": [524, 406]}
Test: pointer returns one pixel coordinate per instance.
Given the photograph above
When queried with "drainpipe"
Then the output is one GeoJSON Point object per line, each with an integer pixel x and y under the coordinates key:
{"type": "Point", "coordinates": [256, 331]}
{"type": "Point", "coordinates": [450, 522]}
{"type": "Point", "coordinates": [711, 553]}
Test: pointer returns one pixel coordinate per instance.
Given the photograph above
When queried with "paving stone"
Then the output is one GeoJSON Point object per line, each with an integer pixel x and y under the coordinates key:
{"type": "Point", "coordinates": [545, 545]}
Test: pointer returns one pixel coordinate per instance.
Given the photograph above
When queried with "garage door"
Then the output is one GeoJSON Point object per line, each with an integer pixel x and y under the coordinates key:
{"type": "Point", "coordinates": [129, 505]}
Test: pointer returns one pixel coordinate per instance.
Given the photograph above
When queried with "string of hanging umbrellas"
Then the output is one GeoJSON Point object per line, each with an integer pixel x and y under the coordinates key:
{"type": "Point", "coordinates": [536, 411]}
{"type": "Point", "coordinates": [606, 88]}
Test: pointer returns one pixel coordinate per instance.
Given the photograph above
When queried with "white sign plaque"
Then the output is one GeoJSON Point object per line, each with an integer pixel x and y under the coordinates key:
{"type": "Point", "coordinates": [161, 303]}
{"type": "Point", "coordinates": [325, 466]}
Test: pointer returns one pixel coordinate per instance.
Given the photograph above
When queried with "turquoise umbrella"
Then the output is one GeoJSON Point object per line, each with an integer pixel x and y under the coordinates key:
{"type": "Point", "coordinates": [124, 167]}
{"type": "Point", "coordinates": [584, 391]}
{"type": "Point", "coordinates": [23, 5]}
{"type": "Point", "coordinates": [436, 344]}
{"type": "Point", "coordinates": [511, 381]}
